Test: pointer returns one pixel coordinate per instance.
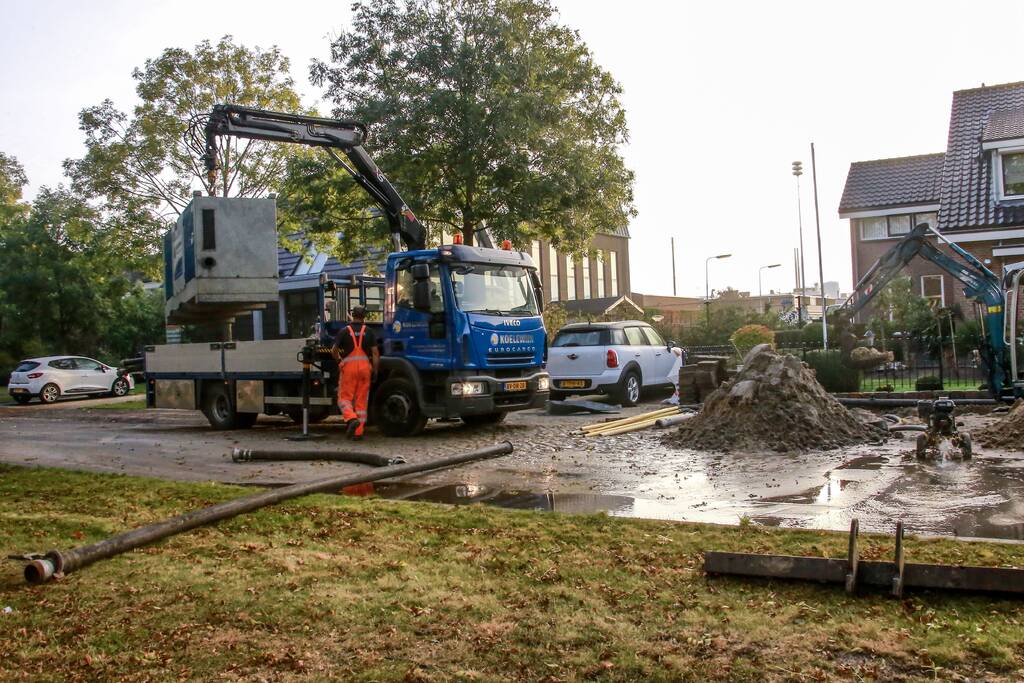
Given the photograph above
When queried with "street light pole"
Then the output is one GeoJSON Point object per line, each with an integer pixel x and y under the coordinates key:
{"type": "Point", "coordinates": [798, 170]}
{"type": "Point", "coordinates": [707, 289]}
{"type": "Point", "coordinates": [821, 268]}
{"type": "Point", "coordinates": [760, 293]}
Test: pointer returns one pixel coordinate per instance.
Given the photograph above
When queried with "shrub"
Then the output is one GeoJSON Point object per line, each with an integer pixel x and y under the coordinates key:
{"type": "Point", "coordinates": [928, 383]}
{"type": "Point", "coordinates": [831, 372]}
{"type": "Point", "coordinates": [886, 387]}
{"type": "Point", "coordinates": [749, 336]}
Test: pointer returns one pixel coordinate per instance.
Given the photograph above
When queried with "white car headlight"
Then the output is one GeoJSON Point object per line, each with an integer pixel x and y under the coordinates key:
{"type": "Point", "coordinates": [543, 383]}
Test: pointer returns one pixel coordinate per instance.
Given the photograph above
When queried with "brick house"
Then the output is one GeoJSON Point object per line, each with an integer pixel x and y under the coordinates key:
{"type": "Point", "coordinates": [973, 193]}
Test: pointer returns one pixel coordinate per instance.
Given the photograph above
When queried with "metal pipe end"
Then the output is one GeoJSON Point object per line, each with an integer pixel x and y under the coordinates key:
{"type": "Point", "coordinates": [241, 454]}
{"type": "Point", "coordinates": [507, 446]}
{"type": "Point", "coordinates": [397, 460]}
{"type": "Point", "coordinates": [40, 571]}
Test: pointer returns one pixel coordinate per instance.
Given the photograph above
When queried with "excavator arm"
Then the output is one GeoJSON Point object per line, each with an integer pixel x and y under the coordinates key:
{"type": "Point", "coordinates": [980, 284]}
{"type": "Point", "coordinates": [334, 134]}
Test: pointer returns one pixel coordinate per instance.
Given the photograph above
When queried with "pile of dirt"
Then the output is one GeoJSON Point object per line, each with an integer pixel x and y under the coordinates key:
{"type": "Point", "coordinates": [1007, 433]}
{"type": "Point", "coordinates": [774, 403]}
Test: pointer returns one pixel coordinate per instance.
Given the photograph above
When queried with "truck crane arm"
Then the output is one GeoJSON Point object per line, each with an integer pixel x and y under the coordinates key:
{"type": "Point", "coordinates": [333, 134]}
{"type": "Point", "coordinates": [980, 284]}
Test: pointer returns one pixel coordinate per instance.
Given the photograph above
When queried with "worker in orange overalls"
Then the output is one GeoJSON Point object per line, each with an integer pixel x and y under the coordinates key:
{"type": "Point", "coordinates": [357, 356]}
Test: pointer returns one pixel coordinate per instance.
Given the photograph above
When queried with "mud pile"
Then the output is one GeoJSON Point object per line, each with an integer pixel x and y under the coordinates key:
{"type": "Point", "coordinates": [1007, 433]}
{"type": "Point", "coordinates": [775, 403]}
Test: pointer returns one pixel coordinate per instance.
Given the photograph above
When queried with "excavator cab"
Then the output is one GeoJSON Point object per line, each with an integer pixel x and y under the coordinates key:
{"type": "Point", "coordinates": [1013, 311]}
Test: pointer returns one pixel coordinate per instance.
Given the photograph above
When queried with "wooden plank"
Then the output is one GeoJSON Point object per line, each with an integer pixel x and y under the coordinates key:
{"type": "Point", "coordinates": [869, 573]}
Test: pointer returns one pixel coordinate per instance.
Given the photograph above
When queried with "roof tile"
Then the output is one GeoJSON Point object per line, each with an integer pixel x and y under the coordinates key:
{"type": "Point", "coordinates": [885, 183]}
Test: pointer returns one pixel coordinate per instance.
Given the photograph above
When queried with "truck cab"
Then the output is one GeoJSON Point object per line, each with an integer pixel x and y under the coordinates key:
{"type": "Point", "coordinates": [462, 337]}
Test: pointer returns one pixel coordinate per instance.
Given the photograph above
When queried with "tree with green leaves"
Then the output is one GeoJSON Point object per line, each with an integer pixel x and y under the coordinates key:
{"type": "Point", "coordinates": [483, 113]}
{"type": "Point", "coordinates": [12, 180]}
{"type": "Point", "coordinates": [144, 165]}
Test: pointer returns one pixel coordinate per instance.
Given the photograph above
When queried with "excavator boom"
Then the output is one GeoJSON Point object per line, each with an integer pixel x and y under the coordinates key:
{"type": "Point", "coordinates": [335, 134]}
{"type": "Point", "coordinates": [980, 284]}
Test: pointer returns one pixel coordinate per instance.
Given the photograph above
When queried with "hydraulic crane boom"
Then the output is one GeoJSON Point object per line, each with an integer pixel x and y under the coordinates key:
{"type": "Point", "coordinates": [980, 284]}
{"type": "Point", "coordinates": [334, 134]}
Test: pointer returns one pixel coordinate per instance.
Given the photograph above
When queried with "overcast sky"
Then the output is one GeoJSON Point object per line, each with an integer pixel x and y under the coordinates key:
{"type": "Point", "coordinates": [720, 98]}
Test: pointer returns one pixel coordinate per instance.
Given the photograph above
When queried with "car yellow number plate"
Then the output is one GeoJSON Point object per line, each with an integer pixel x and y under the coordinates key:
{"type": "Point", "coordinates": [573, 383]}
{"type": "Point", "coordinates": [515, 386]}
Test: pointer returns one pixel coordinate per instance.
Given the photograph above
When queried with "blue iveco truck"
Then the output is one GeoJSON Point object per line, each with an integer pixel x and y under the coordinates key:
{"type": "Point", "coordinates": [462, 334]}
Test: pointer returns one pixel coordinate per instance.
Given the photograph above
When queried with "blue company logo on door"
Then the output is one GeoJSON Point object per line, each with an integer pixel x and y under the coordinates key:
{"type": "Point", "coordinates": [511, 343]}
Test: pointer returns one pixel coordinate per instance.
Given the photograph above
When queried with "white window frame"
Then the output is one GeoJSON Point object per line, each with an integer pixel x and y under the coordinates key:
{"type": "Point", "coordinates": [613, 258]}
{"type": "Point", "coordinates": [601, 292]}
{"type": "Point", "coordinates": [997, 172]}
{"type": "Point", "coordinates": [552, 273]}
{"type": "Point", "coordinates": [585, 276]}
{"type": "Point", "coordinates": [570, 278]}
{"type": "Point", "coordinates": [888, 225]}
{"type": "Point", "coordinates": [942, 289]}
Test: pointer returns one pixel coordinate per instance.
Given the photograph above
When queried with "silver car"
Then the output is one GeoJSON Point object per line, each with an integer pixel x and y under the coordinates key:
{"type": "Point", "coordinates": [51, 377]}
{"type": "Point", "coordinates": [621, 359]}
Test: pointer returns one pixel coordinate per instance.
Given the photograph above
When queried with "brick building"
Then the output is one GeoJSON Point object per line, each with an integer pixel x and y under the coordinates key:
{"type": "Point", "coordinates": [973, 193]}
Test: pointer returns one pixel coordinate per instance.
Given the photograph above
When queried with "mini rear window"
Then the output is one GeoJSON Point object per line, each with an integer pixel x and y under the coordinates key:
{"type": "Point", "coordinates": [26, 365]}
{"type": "Point", "coordinates": [582, 338]}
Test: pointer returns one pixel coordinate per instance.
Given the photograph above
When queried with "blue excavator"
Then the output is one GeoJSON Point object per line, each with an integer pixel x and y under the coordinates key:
{"type": "Point", "coordinates": [996, 299]}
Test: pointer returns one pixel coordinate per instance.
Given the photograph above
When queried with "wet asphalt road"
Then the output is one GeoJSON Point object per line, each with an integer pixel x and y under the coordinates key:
{"type": "Point", "coordinates": [555, 468]}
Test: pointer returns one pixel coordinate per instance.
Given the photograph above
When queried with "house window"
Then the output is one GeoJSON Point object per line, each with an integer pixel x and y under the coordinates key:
{"type": "Point", "coordinates": [613, 260]}
{"type": "Point", "coordinates": [899, 225]}
{"type": "Point", "coordinates": [553, 274]}
{"type": "Point", "coordinates": [1013, 174]}
{"type": "Point", "coordinates": [586, 278]}
{"type": "Point", "coordinates": [933, 288]}
{"type": "Point", "coordinates": [535, 253]}
{"type": "Point", "coordinates": [873, 228]}
{"type": "Point", "coordinates": [932, 219]}
{"type": "Point", "coordinates": [570, 279]}
{"type": "Point", "coordinates": [600, 277]}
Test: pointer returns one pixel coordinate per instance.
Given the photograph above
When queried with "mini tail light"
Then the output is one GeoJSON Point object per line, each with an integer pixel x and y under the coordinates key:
{"type": "Point", "coordinates": [613, 359]}
{"type": "Point", "coordinates": [35, 375]}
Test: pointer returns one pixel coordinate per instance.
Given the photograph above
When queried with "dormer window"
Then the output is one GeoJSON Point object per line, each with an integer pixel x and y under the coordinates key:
{"type": "Point", "coordinates": [1011, 169]}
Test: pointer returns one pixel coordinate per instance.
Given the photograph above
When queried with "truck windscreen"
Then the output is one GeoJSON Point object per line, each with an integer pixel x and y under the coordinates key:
{"type": "Point", "coordinates": [493, 289]}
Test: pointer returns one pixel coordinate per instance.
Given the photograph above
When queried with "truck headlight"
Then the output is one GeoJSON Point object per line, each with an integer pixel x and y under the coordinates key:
{"type": "Point", "coordinates": [468, 389]}
{"type": "Point", "coordinates": [543, 383]}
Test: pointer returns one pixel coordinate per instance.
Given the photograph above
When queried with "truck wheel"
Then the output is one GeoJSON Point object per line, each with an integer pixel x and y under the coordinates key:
{"type": "Point", "coordinates": [396, 409]}
{"type": "Point", "coordinates": [628, 393]}
{"type": "Point", "coordinates": [217, 408]}
{"type": "Point", "coordinates": [481, 420]}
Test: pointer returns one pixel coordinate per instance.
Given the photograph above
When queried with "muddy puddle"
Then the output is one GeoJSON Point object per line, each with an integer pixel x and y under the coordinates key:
{"type": "Point", "coordinates": [980, 498]}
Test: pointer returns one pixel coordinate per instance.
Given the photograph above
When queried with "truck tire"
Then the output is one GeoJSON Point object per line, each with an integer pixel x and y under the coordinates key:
{"type": "Point", "coordinates": [396, 409]}
{"type": "Point", "coordinates": [483, 420]}
{"type": "Point", "coordinates": [628, 392]}
{"type": "Point", "coordinates": [218, 409]}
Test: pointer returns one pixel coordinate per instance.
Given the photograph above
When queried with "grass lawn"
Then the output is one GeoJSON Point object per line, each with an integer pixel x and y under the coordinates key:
{"type": "Point", "coordinates": [354, 588]}
{"type": "Point", "coordinates": [871, 383]}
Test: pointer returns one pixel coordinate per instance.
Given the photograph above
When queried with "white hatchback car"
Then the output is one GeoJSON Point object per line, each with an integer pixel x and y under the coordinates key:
{"type": "Point", "coordinates": [51, 377]}
{"type": "Point", "coordinates": [621, 359]}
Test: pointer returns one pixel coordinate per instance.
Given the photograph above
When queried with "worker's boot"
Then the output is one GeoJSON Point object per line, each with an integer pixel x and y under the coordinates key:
{"type": "Point", "coordinates": [351, 426]}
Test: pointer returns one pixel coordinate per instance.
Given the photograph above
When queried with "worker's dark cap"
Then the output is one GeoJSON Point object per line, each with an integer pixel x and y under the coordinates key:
{"type": "Point", "coordinates": [358, 312]}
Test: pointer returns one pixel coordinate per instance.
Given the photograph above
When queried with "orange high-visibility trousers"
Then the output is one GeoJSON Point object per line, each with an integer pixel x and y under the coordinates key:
{"type": "Point", "coordinates": [354, 386]}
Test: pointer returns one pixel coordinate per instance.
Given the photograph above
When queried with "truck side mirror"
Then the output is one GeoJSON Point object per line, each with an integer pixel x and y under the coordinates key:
{"type": "Point", "coordinates": [538, 290]}
{"type": "Point", "coordinates": [421, 295]}
{"type": "Point", "coordinates": [420, 271]}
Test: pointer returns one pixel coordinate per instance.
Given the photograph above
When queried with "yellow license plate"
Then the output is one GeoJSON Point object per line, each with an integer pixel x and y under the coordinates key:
{"type": "Point", "coordinates": [515, 386]}
{"type": "Point", "coordinates": [573, 383]}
